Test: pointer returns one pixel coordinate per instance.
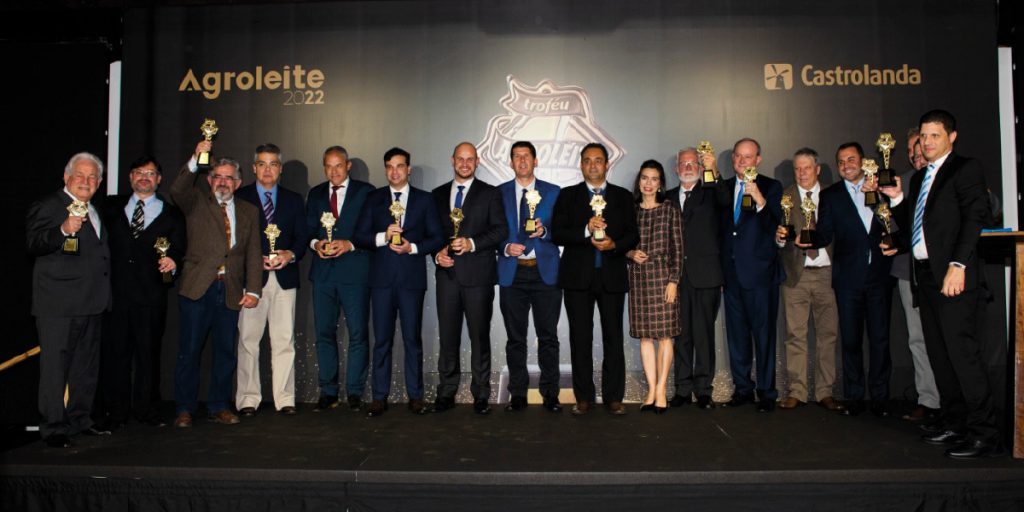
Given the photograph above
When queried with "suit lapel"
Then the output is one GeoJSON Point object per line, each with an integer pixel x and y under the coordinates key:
{"type": "Point", "coordinates": [942, 176]}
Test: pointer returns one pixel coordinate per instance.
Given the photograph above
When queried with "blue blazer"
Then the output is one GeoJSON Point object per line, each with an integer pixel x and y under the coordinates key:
{"type": "Point", "coordinates": [289, 215]}
{"type": "Point", "coordinates": [421, 226]}
{"type": "Point", "coordinates": [546, 251]}
{"type": "Point", "coordinates": [751, 241]}
{"type": "Point", "coordinates": [352, 267]}
{"type": "Point", "coordinates": [839, 223]}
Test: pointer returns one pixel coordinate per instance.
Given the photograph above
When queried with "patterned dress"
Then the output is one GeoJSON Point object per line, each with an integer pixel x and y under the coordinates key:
{"type": "Point", "coordinates": [661, 237]}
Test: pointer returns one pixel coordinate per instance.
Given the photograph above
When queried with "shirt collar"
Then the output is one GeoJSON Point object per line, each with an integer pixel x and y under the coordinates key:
{"type": "Point", "coordinates": [813, 190]}
{"type": "Point", "coordinates": [465, 184]}
{"type": "Point", "coordinates": [343, 184]}
{"type": "Point", "coordinates": [404, 190]}
{"type": "Point", "coordinates": [603, 186]}
{"type": "Point", "coordinates": [263, 191]}
{"type": "Point", "coordinates": [941, 160]}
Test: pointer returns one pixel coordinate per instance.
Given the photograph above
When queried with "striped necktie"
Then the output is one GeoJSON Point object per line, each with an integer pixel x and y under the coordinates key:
{"type": "Point", "coordinates": [268, 207]}
{"type": "Point", "coordinates": [926, 186]}
{"type": "Point", "coordinates": [138, 219]}
{"type": "Point", "coordinates": [736, 208]}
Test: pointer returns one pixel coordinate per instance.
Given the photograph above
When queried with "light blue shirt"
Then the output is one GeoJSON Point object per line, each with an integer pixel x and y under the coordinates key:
{"type": "Point", "coordinates": [262, 193]}
{"type": "Point", "coordinates": [151, 210]}
{"type": "Point", "coordinates": [858, 202]}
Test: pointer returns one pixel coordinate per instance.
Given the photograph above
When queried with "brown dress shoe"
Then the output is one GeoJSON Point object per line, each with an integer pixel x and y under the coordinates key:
{"type": "Point", "coordinates": [617, 408]}
{"type": "Point", "coordinates": [377, 408]}
{"type": "Point", "coordinates": [417, 407]}
{"type": "Point", "coordinates": [224, 417]}
{"type": "Point", "coordinates": [581, 408]}
{"type": "Point", "coordinates": [830, 404]}
{"type": "Point", "coordinates": [791, 403]}
{"type": "Point", "coordinates": [184, 420]}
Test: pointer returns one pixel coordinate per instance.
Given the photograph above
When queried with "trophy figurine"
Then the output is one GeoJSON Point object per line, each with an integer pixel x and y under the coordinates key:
{"type": "Point", "coordinates": [710, 178]}
{"type": "Point", "coordinates": [885, 215]}
{"type": "Point", "coordinates": [76, 209]}
{"type": "Point", "coordinates": [209, 129]}
{"type": "Point", "coordinates": [598, 204]}
{"type": "Point", "coordinates": [272, 233]}
{"type": "Point", "coordinates": [327, 220]}
{"type": "Point", "coordinates": [886, 176]}
{"type": "Point", "coordinates": [532, 200]}
{"type": "Point", "coordinates": [456, 216]}
{"type": "Point", "coordinates": [787, 207]}
{"type": "Point", "coordinates": [807, 234]}
{"type": "Point", "coordinates": [747, 202]}
{"type": "Point", "coordinates": [163, 245]}
{"type": "Point", "coordinates": [397, 210]}
{"type": "Point", "coordinates": [870, 169]}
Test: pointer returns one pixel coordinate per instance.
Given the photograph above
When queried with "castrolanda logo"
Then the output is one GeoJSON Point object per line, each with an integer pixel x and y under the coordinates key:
{"type": "Point", "coordinates": [558, 120]}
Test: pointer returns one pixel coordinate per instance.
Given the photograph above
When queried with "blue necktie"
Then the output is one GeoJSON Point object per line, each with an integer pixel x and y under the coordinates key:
{"type": "Point", "coordinates": [597, 253]}
{"type": "Point", "coordinates": [524, 213]}
{"type": "Point", "coordinates": [398, 198]}
{"type": "Point", "coordinates": [736, 209]}
{"type": "Point", "coordinates": [268, 208]}
{"type": "Point", "coordinates": [919, 207]}
{"type": "Point", "coordinates": [458, 197]}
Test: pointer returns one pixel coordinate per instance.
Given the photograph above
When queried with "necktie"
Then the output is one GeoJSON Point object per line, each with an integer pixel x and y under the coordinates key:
{"type": "Point", "coordinates": [458, 196]}
{"type": "Point", "coordinates": [398, 198]}
{"type": "Point", "coordinates": [926, 186]}
{"type": "Point", "coordinates": [138, 219]}
{"type": "Point", "coordinates": [812, 253]}
{"type": "Point", "coordinates": [227, 223]}
{"type": "Point", "coordinates": [686, 197]}
{"type": "Point", "coordinates": [268, 207]}
{"type": "Point", "coordinates": [736, 209]}
{"type": "Point", "coordinates": [334, 200]}
{"type": "Point", "coordinates": [597, 253]}
{"type": "Point", "coordinates": [524, 213]}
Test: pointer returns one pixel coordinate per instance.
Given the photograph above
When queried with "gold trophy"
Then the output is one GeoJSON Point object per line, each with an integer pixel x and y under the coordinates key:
{"type": "Point", "coordinates": [787, 207]}
{"type": "Point", "coordinates": [456, 216]}
{"type": "Point", "coordinates": [532, 200]}
{"type": "Point", "coordinates": [710, 177]}
{"type": "Point", "coordinates": [163, 245]}
{"type": "Point", "coordinates": [598, 204]}
{"type": "Point", "coordinates": [76, 209]}
{"type": "Point", "coordinates": [885, 215]}
{"type": "Point", "coordinates": [209, 129]}
{"type": "Point", "coordinates": [807, 234]}
{"type": "Point", "coordinates": [870, 169]}
{"type": "Point", "coordinates": [747, 202]}
{"type": "Point", "coordinates": [272, 233]}
{"type": "Point", "coordinates": [397, 210]}
{"type": "Point", "coordinates": [327, 220]}
{"type": "Point", "coordinates": [886, 176]}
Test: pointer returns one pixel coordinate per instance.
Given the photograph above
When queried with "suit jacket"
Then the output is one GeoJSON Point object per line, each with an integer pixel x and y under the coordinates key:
{"type": "Point", "coordinates": [484, 222]}
{"type": "Point", "coordinates": [701, 237]}
{"type": "Point", "coordinates": [66, 285]}
{"type": "Point", "coordinates": [136, 278]}
{"type": "Point", "coordinates": [839, 224]}
{"type": "Point", "coordinates": [751, 242]}
{"type": "Point", "coordinates": [290, 217]}
{"type": "Point", "coordinates": [420, 226]}
{"type": "Point", "coordinates": [207, 245]}
{"type": "Point", "coordinates": [352, 267]}
{"type": "Point", "coordinates": [572, 213]}
{"type": "Point", "coordinates": [546, 252]}
{"type": "Point", "coordinates": [793, 257]}
{"type": "Point", "coordinates": [956, 210]}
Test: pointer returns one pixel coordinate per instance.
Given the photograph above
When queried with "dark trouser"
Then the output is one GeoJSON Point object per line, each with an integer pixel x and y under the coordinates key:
{"type": "Point", "coordinates": [407, 306]}
{"type": "Point", "coordinates": [694, 353]}
{"type": "Point", "coordinates": [950, 327]}
{"type": "Point", "coordinates": [198, 317]}
{"type": "Point", "coordinates": [477, 304]}
{"type": "Point", "coordinates": [132, 335]}
{"type": "Point", "coordinates": [70, 356]}
{"type": "Point", "coordinates": [871, 307]}
{"type": "Point", "coordinates": [329, 298]}
{"type": "Point", "coordinates": [579, 307]}
{"type": "Point", "coordinates": [528, 291]}
{"type": "Point", "coordinates": [750, 316]}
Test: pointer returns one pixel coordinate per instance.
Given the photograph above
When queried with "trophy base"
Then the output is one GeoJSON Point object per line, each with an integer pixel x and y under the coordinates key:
{"type": "Point", "coordinates": [598, 235]}
{"type": "Point", "coordinates": [790, 232]}
{"type": "Point", "coordinates": [271, 258]}
{"type": "Point", "coordinates": [807, 236]}
{"type": "Point", "coordinates": [710, 180]}
{"type": "Point", "coordinates": [531, 226]}
{"type": "Point", "coordinates": [887, 240]}
{"type": "Point", "coordinates": [204, 159]}
{"type": "Point", "coordinates": [70, 246]}
{"type": "Point", "coordinates": [395, 240]}
{"type": "Point", "coordinates": [166, 277]}
{"type": "Point", "coordinates": [886, 178]}
{"type": "Point", "coordinates": [747, 203]}
{"type": "Point", "coordinates": [451, 250]}
{"type": "Point", "coordinates": [870, 198]}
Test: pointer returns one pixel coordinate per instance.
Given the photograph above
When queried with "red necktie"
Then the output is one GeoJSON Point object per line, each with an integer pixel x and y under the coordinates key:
{"type": "Point", "coordinates": [334, 199]}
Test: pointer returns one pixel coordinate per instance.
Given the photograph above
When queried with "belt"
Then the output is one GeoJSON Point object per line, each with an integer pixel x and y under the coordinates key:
{"type": "Point", "coordinates": [527, 263]}
{"type": "Point", "coordinates": [816, 267]}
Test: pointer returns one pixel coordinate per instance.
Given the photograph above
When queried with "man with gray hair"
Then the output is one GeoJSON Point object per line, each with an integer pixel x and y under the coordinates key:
{"type": "Point", "coordinates": [70, 292]}
{"type": "Point", "coordinates": [223, 273]}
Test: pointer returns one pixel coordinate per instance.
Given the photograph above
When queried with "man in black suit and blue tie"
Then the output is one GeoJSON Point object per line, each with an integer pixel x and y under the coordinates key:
{"type": "Point", "coordinates": [466, 275]}
{"type": "Point", "coordinates": [398, 274]}
{"type": "Point", "coordinates": [340, 275]}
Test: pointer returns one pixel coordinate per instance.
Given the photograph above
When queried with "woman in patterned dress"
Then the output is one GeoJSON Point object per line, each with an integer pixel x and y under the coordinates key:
{"type": "Point", "coordinates": [654, 269]}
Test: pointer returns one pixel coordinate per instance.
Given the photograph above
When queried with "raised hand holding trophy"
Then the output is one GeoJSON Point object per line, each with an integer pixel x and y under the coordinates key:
{"type": "Point", "coordinates": [885, 215]}
{"type": "Point", "coordinates": [397, 210]}
{"type": "Point", "coordinates": [209, 129]}
{"type": "Point", "coordinates": [163, 245]}
{"type": "Point", "coordinates": [787, 207]}
{"type": "Point", "coordinates": [870, 169]}
{"type": "Point", "coordinates": [327, 220]}
{"type": "Point", "coordinates": [272, 233]}
{"type": "Point", "coordinates": [456, 216]}
{"type": "Point", "coordinates": [710, 177]}
{"type": "Point", "coordinates": [808, 207]}
{"type": "Point", "coordinates": [747, 202]}
{"type": "Point", "coordinates": [76, 209]}
{"type": "Point", "coordinates": [532, 200]}
{"type": "Point", "coordinates": [886, 176]}
{"type": "Point", "coordinates": [598, 204]}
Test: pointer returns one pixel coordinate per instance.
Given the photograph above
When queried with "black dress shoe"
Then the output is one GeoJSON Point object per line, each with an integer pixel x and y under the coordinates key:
{"type": "Point", "coordinates": [853, 408]}
{"type": "Point", "coordinates": [552, 405]}
{"type": "Point", "coordinates": [976, 449]}
{"type": "Point", "coordinates": [647, 407]}
{"type": "Point", "coordinates": [880, 409]}
{"type": "Point", "coordinates": [660, 410]}
{"type": "Point", "coordinates": [377, 408]}
{"type": "Point", "coordinates": [152, 419]}
{"type": "Point", "coordinates": [738, 400]}
{"type": "Point", "coordinates": [481, 406]}
{"type": "Point", "coordinates": [93, 431]}
{"type": "Point", "coordinates": [944, 438]}
{"type": "Point", "coordinates": [355, 402]}
{"type": "Point", "coordinates": [765, 405]}
{"type": "Point", "coordinates": [443, 404]}
{"type": "Point", "coordinates": [58, 441]}
{"type": "Point", "coordinates": [289, 410]}
{"type": "Point", "coordinates": [326, 402]}
{"type": "Point", "coordinates": [679, 401]}
{"type": "Point", "coordinates": [704, 402]}
{"type": "Point", "coordinates": [517, 403]}
{"type": "Point", "coordinates": [416, 406]}
{"type": "Point", "coordinates": [247, 412]}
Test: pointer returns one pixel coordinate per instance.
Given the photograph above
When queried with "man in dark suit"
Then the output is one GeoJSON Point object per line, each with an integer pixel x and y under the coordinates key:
{"type": "Point", "coordinates": [751, 276]}
{"type": "Point", "coordinates": [223, 273]}
{"type": "Point", "coordinates": [466, 275]}
{"type": "Point", "coordinates": [70, 292]}
{"type": "Point", "coordinates": [136, 324]}
{"type": "Point", "coordinates": [398, 274]}
{"type": "Point", "coordinates": [861, 280]}
{"type": "Point", "coordinates": [701, 283]}
{"type": "Point", "coordinates": [276, 310]}
{"type": "Point", "coordinates": [528, 279]}
{"type": "Point", "coordinates": [593, 270]}
{"type": "Point", "coordinates": [943, 216]}
{"type": "Point", "coordinates": [339, 274]}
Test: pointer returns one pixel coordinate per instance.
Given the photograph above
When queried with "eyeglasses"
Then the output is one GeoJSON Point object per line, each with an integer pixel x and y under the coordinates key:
{"type": "Point", "coordinates": [687, 165]}
{"type": "Point", "coordinates": [144, 174]}
{"type": "Point", "coordinates": [263, 165]}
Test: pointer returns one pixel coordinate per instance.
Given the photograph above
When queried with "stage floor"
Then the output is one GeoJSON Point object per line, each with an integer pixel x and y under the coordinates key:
{"type": "Point", "coordinates": [724, 453]}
